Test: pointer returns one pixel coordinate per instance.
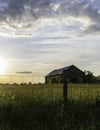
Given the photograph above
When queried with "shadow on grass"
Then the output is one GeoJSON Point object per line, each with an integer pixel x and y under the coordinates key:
{"type": "Point", "coordinates": [40, 115]}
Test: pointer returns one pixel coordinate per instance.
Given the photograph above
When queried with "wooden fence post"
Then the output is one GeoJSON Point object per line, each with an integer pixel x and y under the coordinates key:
{"type": "Point", "coordinates": [65, 89]}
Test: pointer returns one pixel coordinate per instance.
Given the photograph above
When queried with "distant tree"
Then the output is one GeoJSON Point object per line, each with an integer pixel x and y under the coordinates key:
{"type": "Point", "coordinates": [89, 77]}
{"type": "Point", "coordinates": [98, 79]}
{"type": "Point", "coordinates": [30, 83]}
{"type": "Point", "coordinates": [15, 84]}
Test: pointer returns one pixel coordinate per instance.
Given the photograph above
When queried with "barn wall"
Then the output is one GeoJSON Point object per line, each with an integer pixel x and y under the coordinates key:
{"type": "Point", "coordinates": [75, 75]}
{"type": "Point", "coordinates": [54, 79]}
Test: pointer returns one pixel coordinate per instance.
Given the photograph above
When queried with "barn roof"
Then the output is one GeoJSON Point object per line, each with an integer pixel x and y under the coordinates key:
{"type": "Point", "coordinates": [58, 71]}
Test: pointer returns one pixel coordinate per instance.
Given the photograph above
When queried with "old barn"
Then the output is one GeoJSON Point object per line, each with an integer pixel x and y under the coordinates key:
{"type": "Point", "coordinates": [74, 75]}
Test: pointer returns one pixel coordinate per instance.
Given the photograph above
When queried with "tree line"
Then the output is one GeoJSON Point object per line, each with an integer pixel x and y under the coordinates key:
{"type": "Point", "coordinates": [91, 78]}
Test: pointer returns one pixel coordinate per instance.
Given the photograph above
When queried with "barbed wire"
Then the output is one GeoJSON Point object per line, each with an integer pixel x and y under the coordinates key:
{"type": "Point", "coordinates": [21, 79]}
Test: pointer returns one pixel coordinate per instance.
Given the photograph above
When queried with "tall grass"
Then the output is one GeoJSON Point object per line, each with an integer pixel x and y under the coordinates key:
{"type": "Point", "coordinates": [40, 107]}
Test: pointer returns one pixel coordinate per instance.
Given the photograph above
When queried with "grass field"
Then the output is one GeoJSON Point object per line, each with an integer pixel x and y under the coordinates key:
{"type": "Point", "coordinates": [40, 107]}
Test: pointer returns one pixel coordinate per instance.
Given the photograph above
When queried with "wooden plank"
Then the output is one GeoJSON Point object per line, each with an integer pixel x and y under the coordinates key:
{"type": "Point", "coordinates": [65, 89]}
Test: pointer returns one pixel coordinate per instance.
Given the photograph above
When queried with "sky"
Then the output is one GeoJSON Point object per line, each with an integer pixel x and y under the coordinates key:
{"type": "Point", "coordinates": [38, 36]}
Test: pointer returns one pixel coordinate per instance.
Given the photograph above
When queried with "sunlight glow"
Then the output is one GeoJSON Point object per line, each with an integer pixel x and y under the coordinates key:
{"type": "Point", "coordinates": [3, 66]}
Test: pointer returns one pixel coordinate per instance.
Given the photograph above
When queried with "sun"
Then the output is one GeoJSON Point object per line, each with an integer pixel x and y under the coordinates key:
{"type": "Point", "coordinates": [3, 66]}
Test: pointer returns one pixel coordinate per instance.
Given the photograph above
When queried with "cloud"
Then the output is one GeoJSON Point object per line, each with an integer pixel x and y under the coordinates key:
{"type": "Point", "coordinates": [24, 72]}
{"type": "Point", "coordinates": [24, 16]}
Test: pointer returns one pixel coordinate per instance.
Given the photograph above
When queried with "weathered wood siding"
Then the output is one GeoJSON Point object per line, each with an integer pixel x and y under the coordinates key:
{"type": "Point", "coordinates": [74, 75]}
